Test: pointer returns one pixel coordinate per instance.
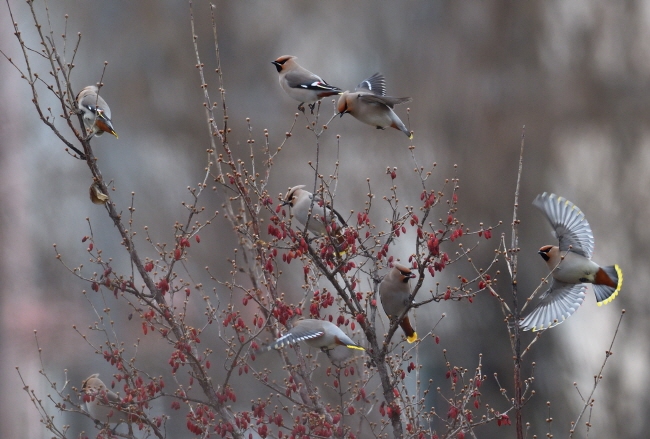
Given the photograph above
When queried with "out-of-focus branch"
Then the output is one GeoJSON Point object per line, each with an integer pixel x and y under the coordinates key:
{"type": "Point", "coordinates": [589, 401]}
{"type": "Point", "coordinates": [514, 327]}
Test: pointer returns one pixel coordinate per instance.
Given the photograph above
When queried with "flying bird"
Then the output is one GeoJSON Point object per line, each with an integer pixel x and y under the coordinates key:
{"type": "Point", "coordinates": [369, 104]}
{"type": "Point", "coordinates": [394, 293]}
{"type": "Point", "coordinates": [301, 84]}
{"type": "Point", "coordinates": [319, 334]}
{"type": "Point", "coordinates": [95, 112]}
{"type": "Point", "coordinates": [571, 266]}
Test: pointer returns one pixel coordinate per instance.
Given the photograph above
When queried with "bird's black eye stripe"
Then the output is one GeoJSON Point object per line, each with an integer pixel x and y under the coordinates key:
{"type": "Point", "coordinates": [406, 276]}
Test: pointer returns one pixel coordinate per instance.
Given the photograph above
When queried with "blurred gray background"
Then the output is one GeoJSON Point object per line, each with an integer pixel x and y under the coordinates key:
{"type": "Point", "coordinates": [576, 74]}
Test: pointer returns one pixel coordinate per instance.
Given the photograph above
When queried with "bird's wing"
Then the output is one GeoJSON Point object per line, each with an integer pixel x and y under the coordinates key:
{"type": "Point", "coordinates": [389, 101]}
{"type": "Point", "coordinates": [318, 209]}
{"type": "Point", "coordinates": [376, 85]}
{"type": "Point", "coordinates": [558, 303]}
{"type": "Point", "coordinates": [568, 221]}
{"type": "Point", "coordinates": [104, 396]}
{"type": "Point", "coordinates": [298, 80]}
{"type": "Point", "coordinates": [294, 336]}
{"type": "Point", "coordinates": [112, 397]}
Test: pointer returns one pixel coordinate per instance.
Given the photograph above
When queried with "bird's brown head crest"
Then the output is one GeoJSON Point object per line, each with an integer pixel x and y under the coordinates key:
{"type": "Point", "coordinates": [279, 63]}
{"type": "Point", "coordinates": [405, 273]}
{"type": "Point", "coordinates": [84, 383]}
{"type": "Point", "coordinates": [544, 251]}
{"type": "Point", "coordinates": [288, 198]}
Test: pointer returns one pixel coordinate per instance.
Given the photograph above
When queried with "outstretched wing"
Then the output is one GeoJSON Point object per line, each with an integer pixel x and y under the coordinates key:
{"type": "Point", "coordinates": [297, 80]}
{"type": "Point", "coordinates": [558, 303]}
{"type": "Point", "coordinates": [571, 226]}
{"type": "Point", "coordinates": [376, 85]}
{"type": "Point", "coordinates": [295, 335]}
{"type": "Point", "coordinates": [318, 209]}
{"type": "Point", "coordinates": [390, 101]}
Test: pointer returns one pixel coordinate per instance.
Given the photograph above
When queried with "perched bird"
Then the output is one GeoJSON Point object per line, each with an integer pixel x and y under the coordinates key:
{"type": "Point", "coordinates": [394, 293]}
{"type": "Point", "coordinates": [96, 194]}
{"type": "Point", "coordinates": [301, 84]}
{"type": "Point", "coordinates": [571, 265]}
{"type": "Point", "coordinates": [317, 334]}
{"type": "Point", "coordinates": [96, 114]}
{"type": "Point", "coordinates": [104, 405]}
{"type": "Point", "coordinates": [321, 216]}
{"type": "Point", "coordinates": [370, 105]}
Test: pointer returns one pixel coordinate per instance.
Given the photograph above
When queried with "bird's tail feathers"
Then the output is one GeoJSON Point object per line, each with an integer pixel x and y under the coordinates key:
{"type": "Point", "coordinates": [344, 340]}
{"type": "Point", "coordinates": [609, 282]}
{"type": "Point", "coordinates": [399, 125]}
{"type": "Point", "coordinates": [105, 126]}
{"type": "Point", "coordinates": [410, 333]}
{"type": "Point", "coordinates": [412, 338]}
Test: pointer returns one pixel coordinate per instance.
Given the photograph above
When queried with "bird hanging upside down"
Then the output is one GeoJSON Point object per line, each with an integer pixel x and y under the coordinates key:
{"type": "Point", "coordinates": [95, 112]}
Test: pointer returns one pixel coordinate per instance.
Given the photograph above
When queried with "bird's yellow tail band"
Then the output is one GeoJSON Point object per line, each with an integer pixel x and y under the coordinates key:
{"type": "Point", "coordinates": [619, 272]}
{"type": "Point", "coordinates": [412, 338]}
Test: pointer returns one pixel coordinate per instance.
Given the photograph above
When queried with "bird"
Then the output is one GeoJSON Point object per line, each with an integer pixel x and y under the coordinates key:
{"type": "Point", "coordinates": [104, 405]}
{"type": "Point", "coordinates": [571, 266]}
{"type": "Point", "coordinates": [95, 111]}
{"type": "Point", "coordinates": [96, 194]}
{"type": "Point", "coordinates": [321, 216]}
{"type": "Point", "coordinates": [369, 104]}
{"type": "Point", "coordinates": [316, 333]}
{"type": "Point", "coordinates": [301, 84]}
{"type": "Point", "coordinates": [394, 293]}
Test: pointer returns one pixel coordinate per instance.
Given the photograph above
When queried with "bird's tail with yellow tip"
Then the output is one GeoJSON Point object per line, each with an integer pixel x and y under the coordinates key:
{"type": "Point", "coordinates": [410, 333]}
{"type": "Point", "coordinates": [607, 284]}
